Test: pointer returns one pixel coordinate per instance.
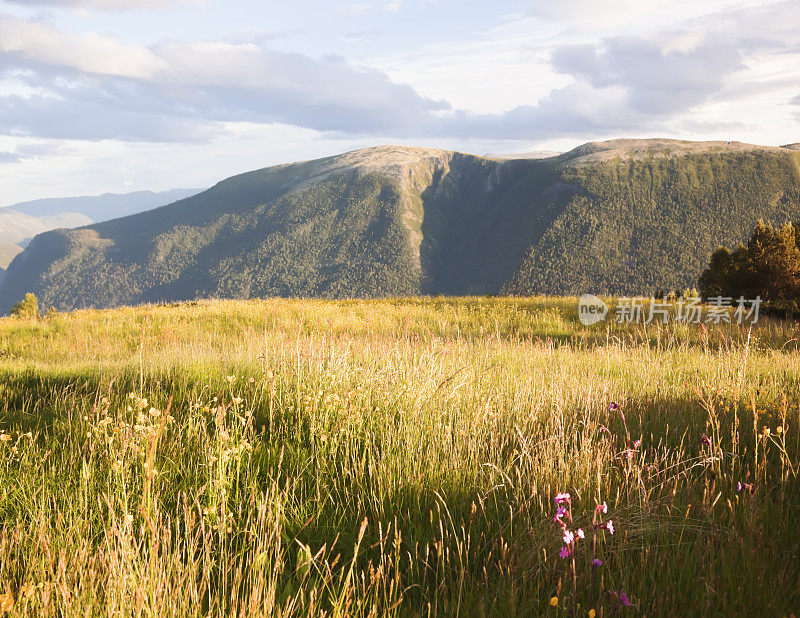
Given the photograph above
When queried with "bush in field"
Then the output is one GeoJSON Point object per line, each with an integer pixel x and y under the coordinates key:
{"type": "Point", "coordinates": [27, 308]}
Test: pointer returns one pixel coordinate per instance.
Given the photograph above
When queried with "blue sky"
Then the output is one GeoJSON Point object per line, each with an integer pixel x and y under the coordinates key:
{"type": "Point", "coordinates": [123, 95]}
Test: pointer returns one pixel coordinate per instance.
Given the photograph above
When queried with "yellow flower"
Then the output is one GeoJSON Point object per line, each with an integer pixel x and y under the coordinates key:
{"type": "Point", "coordinates": [4, 437]}
{"type": "Point", "coordinates": [592, 613]}
{"type": "Point", "coordinates": [554, 601]}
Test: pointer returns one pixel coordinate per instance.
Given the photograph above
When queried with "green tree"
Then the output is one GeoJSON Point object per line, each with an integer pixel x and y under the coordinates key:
{"type": "Point", "coordinates": [27, 308]}
{"type": "Point", "coordinates": [768, 267]}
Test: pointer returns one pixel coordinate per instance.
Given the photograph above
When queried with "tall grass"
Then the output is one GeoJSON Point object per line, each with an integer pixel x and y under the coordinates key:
{"type": "Point", "coordinates": [361, 458]}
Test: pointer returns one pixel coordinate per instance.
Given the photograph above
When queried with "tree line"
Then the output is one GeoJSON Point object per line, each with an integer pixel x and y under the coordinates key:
{"type": "Point", "coordinates": [767, 266]}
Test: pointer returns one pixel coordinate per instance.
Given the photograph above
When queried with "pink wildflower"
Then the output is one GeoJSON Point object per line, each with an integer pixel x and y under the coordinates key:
{"type": "Point", "coordinates": [596, 563]}
{"type": "Point", "coordinates": [609, 525]}
{"type": "Point", "coordinates": [565, 553]}
{"type": "Point", "coordinates": [568, 537]}
{"type": "Point", "coordinates": [562, 498]}
{"type": "Point", "coordinates": [601, 508]}
{"type": "Point", "coordinates": [705, 440]}
{"type": "Point", "coordinates": [560, 512]}
{"type": "Point", "coordinates": [579, 533]}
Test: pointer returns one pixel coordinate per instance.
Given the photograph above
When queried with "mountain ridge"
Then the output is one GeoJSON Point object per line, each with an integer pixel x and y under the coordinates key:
{"type": "Point", "coordinates": [623, 216]}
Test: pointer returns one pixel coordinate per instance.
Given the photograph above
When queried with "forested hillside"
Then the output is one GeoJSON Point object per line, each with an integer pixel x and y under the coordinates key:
{"type": "Point", "coordinates": [620, 217]}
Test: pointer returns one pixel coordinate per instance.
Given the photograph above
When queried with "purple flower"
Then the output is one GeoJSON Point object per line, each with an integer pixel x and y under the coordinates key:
{"type": "Point", "coordinates": [560, 512]}
{"type": "Point", "coordinates": [637, 444]}
{"type": "Point", "coordinates": [596, 563]}
{"type": "Point", "coordinates": [565, 553]}
{"type": "Point", "coordinates": [613, 406]}
{"type": "Point", "coordinates": [739, 486]}
{"type": "Point", "coordinates": [601, 508]}
{"type": "Point", "coordinates": [568, 537]}
{"type": "Point", "coordinates": [705, 440]}
{"type": "Point", "coordinates": [624, 600]}
{"type": "Point", "coordinates": [562, 498]}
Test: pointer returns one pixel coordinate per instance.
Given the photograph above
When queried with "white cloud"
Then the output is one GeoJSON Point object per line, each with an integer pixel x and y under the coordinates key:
{"type": "Point", "coordinates": [108, 5]}
{"type": "Point", "coordinates": [90, 53]}
{"type": "Point", "coordinates": [96, 87]}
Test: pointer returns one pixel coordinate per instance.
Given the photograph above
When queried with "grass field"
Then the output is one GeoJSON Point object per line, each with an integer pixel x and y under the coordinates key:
{"type": "Point", "coordinates": [361, 458]}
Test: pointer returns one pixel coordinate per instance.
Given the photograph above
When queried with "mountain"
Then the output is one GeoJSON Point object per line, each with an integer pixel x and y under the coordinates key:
{"type": "Point", "coordinates": [18, 228]}
{"type": "Point", "coordinates": [8, 252]}
{"type": "Point", "coordinates": [621, 217]}
{"type": "Point", "coordinates": [102, 207]}
{"type": "Point", "coordinates": [533, 154]}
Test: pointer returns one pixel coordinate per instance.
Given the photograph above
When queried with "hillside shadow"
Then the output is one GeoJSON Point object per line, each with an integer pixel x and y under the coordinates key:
{"type": "Point", "coordinates": [479, 219]}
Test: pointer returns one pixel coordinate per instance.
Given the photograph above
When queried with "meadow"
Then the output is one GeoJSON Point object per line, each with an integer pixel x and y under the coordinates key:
{"type": "Point", "coordinates": [413, 457]}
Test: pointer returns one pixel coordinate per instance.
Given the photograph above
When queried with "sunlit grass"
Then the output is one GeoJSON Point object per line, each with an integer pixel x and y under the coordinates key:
{"type": "Point", "coordinates": [394, 457]}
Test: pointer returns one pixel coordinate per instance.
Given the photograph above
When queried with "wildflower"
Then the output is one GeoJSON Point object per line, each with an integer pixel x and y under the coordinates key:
{"type": "Point", "coordinates": [4, 437]}
{"type": "Point", "coordinates": [705, 440]}
{"type": "Point", "coordinates": [579, 533]}
{"type": "Point", "coordinates": [564, 553]}
{"type": "Point", "coordinates": [553, 601]}
{"type": "Point", "coordinates": [624, 600]}
{"type": "Point", "coordinates": [779, 430]}
{"type": "Point", "coordinates": [562, 498]}
{"type": "Point", "coordinates": [597, 563]}
{"type": "Point", "coordinates": [637, 444]}
{"type": "Point", "coordinates": [6, 602]}
{"type": "Point", "coordinates": [739, 486]}
{"type": "Point", "coordinates": [613, 406]}
{"type": "Point", "coordinates": [601, 508]}
{"type": "Point", "coordinates": [230, 379]}
{"type": "Point", "coordinates": [154, 412]}
{"type": "Point", "coordinates": [560, 512]}
{"type": "Point", "coordinates": [609, 525]}
{"type": "Point", "coordinates": [128, 518]}
{"type": "Point", "coordinates": [592, 613]}
{"type": "Point", "coordinates": [568, 537]}
{"type": "Point", "coordinates": [237, 400]}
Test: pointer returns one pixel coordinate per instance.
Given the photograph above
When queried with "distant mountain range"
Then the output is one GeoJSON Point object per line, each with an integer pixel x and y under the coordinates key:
{"type": "Point", "coordinates": [617, 217]}
{"type": "Point", "coordinates": [18, 228]}
{"type": "Point", "coordinates": [100, 208]}
{"type": "Point", "coordinates": [20, 222]}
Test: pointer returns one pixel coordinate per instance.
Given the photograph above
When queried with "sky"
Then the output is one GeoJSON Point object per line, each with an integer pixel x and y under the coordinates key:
{"type": "Point", "coordinates": [125, 95]}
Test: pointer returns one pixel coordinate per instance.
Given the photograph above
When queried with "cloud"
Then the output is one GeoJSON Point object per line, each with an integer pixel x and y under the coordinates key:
{"type": "Point", "coordinates": [94, 87]}
{"type": "Point", "coordinates": [108, 5]}
{"type": "Point", "coordinates": [90, 53]}
{"type": "Point", "coordinates": [620, 84]}
{"type": "Point", "coordinates": [660, 75]}
{"type": "Point", "coordinates": [9, 157]}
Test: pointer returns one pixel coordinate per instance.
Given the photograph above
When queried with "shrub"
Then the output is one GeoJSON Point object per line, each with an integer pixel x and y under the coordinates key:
{"type": "Point", "coordinates": [27, 308]}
